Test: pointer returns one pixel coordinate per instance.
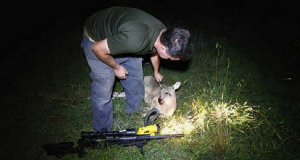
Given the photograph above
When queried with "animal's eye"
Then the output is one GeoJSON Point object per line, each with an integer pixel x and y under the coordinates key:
{"type": "Point", "coordinates": [168, 93]}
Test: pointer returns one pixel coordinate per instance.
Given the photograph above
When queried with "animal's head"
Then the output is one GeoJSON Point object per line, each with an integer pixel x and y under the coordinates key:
{"type": "Point", "coordinates": [168, 95]}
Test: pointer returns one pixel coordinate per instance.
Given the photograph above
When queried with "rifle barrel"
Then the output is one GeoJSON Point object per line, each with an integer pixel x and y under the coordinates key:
{"type": "Point", "coordinates": [166, 136]}
{"type": "Point", "coordinates": [143, 137]}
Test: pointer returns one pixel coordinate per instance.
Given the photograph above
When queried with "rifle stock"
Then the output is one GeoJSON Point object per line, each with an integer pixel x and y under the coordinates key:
{"type": "Point", "coordinates": [60, 149]}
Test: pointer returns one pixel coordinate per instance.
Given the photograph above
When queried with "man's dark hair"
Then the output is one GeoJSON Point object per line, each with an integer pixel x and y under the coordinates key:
{"type": "Point", "coordinates": [177, 42]}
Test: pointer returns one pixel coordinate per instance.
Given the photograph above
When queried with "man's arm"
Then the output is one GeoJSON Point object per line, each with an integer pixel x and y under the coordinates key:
{"type": "Point", "coordinates": [102, 51]}
{"type": "Point", "coordinates": [155, 60]}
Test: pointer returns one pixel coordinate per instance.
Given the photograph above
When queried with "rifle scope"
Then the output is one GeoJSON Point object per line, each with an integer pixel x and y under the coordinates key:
{"type": "Point", "coordinates": [105, 133]}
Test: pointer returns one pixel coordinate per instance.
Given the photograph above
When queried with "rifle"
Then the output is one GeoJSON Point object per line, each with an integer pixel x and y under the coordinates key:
{"type": "Point", "coordinates": [95, 140]}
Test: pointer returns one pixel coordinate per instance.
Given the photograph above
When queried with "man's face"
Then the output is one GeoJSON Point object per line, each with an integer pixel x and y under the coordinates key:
{"type": "Point", "coordinates": [162, 52]}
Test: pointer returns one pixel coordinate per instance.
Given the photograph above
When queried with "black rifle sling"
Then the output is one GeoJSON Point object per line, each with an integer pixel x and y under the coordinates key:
{"type": "Point", "coordinates": [152, 111]}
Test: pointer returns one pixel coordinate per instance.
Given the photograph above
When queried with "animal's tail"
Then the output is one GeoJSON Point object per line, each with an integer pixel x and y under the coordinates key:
{"type": "Point", "coordinates": [150, 112]}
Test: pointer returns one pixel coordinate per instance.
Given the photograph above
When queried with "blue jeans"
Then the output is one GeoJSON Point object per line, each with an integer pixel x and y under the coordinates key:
{"type": "Point", "coordinates": [103, 79]}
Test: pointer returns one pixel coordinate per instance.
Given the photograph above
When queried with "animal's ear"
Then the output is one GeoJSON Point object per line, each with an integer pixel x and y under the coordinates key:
{"type": "Point", "coordinates": [176, 85]}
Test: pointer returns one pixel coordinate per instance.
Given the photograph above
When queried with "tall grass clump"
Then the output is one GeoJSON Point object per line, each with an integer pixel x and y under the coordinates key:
{"type": "Point", "coordinates": [226, 126]}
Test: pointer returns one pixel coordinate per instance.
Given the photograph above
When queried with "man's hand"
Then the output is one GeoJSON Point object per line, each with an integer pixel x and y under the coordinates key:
{"type": "Point", "coordinates": [158, 77]}
{"type": "Point", "coordinates": [120, 72]}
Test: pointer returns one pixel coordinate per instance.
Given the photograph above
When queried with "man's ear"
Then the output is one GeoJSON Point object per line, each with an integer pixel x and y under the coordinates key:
{"type": "Point", "coordinates": [164, 48]}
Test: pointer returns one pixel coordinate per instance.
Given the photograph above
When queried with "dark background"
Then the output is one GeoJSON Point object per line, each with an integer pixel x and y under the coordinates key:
{"type": "Point", "coordinates": [276, 22]}
{"type": "Point", "coordinates": [268, 18]}
{"type": "Point", "coordinates": [273, 26]}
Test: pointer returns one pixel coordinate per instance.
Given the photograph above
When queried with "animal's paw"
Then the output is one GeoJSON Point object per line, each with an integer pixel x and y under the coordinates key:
{"type": "Point", "coordinates": [119, 95]}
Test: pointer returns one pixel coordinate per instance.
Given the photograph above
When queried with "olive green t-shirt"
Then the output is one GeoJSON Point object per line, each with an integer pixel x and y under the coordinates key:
{"type": "Point", "coordinates": [128, 30]}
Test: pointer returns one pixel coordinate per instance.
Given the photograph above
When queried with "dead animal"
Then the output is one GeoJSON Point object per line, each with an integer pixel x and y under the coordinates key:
{"type": "Point", "coordinates": [162, 98]}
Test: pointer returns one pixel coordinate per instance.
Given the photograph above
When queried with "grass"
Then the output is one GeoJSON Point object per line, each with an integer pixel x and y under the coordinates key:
{"type": "Point", "coordinates": [227, 107]}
